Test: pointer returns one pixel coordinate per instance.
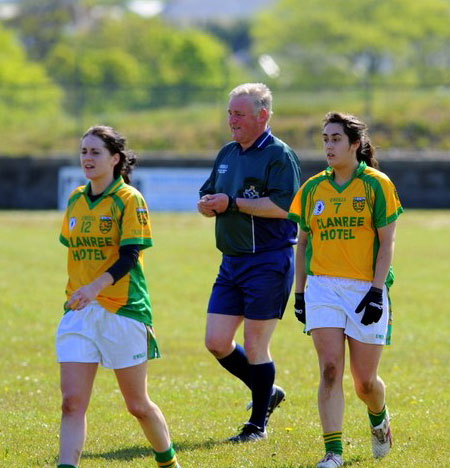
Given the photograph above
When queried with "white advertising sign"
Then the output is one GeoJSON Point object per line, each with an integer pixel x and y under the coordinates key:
{"type": "Point", "coordinates": [164, 188]}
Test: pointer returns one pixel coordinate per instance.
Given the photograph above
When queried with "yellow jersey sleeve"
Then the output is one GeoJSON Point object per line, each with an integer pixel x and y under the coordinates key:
{"type": "Point", "coordinates": [64, 235]}
{"type": "Point", "coordinates": [68, 222]}
{"type": "Point", "coordinates": [295, 208]}
{"type": "Point", "coordinates": [387, 205]}
{"type": "Point", "coordinates": [136, 227]}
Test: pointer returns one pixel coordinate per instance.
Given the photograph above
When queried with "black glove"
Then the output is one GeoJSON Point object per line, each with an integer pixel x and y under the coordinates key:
{"type": "Point", "coordinates": [299, 307]}
{"type": "Point", "coordinates": [372, 304]}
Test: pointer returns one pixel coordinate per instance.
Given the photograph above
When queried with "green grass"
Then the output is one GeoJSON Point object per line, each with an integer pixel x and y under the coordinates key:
{"type": "Point", "coordinates": [202, 404]}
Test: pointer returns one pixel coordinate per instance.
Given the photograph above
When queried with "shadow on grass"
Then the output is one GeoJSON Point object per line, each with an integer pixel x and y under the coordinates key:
{"type": "Point", "coordinates": [138, 451]}
{"type": "Point", "coordinates": [130, 453]}
{"type": "Point", "coordinates": [299, 465]}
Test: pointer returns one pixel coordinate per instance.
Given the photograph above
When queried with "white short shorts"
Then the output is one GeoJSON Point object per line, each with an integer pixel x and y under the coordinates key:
{"type": "Point", "coordinates": [331, 302]}
{"type": "Point", "coordinates": [93, 334]}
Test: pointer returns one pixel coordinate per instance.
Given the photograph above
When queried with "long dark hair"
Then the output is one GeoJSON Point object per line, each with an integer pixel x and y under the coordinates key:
{"type": "Point", "coordinates": [115, 143]}
{"type": "Point", "coordinates": [356, 130]}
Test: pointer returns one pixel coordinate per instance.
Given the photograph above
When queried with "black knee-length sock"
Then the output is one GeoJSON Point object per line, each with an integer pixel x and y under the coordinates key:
{"type": "Point", "coordinates": [238, 365]}
{"type": "Point", "coordinates": [262, 377]}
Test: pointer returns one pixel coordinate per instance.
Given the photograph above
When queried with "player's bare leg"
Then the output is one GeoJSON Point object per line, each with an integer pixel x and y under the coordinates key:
{"type": "Point", "coordinates": [364, 361]}
{"type": "Point", "coordinates": [330, 347]}
{"type": "Point", "coordinates": [77, 380]}
{"type": "Point", "coordinates": [370, 388]}
{"type": "Point", "coordinates": [133, 385]}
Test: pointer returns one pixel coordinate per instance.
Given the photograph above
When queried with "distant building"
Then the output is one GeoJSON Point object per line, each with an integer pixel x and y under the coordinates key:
{"type": "Point", "coordinates": [8, 9]}
{"type": "Point", "coordinates": [194, 12]}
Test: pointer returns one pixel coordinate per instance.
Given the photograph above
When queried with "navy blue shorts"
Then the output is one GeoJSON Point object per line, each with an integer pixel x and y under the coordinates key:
{"type": "Point", "coordinates": [256, 286]}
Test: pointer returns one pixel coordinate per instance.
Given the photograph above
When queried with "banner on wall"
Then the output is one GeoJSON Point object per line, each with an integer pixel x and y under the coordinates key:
{"type": "Point", "coordinates": [164, 189]}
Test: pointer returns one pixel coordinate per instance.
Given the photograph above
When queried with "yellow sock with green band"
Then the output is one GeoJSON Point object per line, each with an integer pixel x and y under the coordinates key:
{"type": "Point", "coordinates": [167, 459]}
{"type": "Point", "coordinates": [333, 442]}
{"type": "Point", "coordinates": [377, 418]}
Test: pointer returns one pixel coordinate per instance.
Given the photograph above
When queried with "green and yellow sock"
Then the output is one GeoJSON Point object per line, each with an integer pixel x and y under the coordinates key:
{"type": "Point", "coordinates": [333, 442]}
{"type": "Point", "coordinates": [167, 459]}
{"type": "Point", "coordinates": [377, 418]}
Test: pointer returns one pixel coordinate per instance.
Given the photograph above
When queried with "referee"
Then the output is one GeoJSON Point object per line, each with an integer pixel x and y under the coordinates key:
{"type": "Point", "coordinates": [249, 191]}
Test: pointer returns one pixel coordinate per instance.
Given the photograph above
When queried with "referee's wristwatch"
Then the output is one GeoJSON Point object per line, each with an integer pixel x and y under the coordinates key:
{"type": "Point", "coordinates": [232, 205]}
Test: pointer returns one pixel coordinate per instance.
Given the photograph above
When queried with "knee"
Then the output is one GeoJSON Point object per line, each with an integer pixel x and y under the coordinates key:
{"type": "Point", "coordinates": [73, 404]}
{"type": "Point", "coordinates": [141, 409]}
{"type": "Point", "coordinates": [364, 387]}
{"type": "Point", "coordinates": [217, 347]}
{"type": "Point", "coordinates": [329, 374]}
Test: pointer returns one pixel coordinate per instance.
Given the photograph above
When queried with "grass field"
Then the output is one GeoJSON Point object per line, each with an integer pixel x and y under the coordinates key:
{"type": "Point", "coordinates": [202, 404]}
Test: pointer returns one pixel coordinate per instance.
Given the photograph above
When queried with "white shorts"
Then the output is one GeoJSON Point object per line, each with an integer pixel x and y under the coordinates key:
{"type": "Point", "coordinates": [94, 335]}
{"type": "Point", "coordinates": [331, 302]}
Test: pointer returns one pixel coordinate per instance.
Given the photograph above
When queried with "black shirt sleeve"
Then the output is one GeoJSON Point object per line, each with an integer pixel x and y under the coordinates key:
{"type": "Point", "coordinates": [128, 257]}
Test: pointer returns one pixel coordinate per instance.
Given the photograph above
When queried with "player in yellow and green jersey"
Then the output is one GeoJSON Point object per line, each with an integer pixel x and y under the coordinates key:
{"type": "Point", "coordinates": [107, 317]}
{"type": "Point", "coordinates": [347, 216]}
{"type": "Point", "coordinates": [94, 231]}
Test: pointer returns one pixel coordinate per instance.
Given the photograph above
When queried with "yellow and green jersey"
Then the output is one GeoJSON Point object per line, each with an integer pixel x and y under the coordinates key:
{"type": "Point", "coordinates": [93, 231]}
{"type": "Point", "coordinates": [341, 221]}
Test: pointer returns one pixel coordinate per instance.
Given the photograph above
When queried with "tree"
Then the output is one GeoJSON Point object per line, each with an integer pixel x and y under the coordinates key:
{"type": "Point", "coordinates": [42, 24]}
{"type": "Point", "coordinates": [143, 61]}
{"type": "Point", "coordinates": [339, 42]}
{"type": "Point", "coordinates": [26, 89]}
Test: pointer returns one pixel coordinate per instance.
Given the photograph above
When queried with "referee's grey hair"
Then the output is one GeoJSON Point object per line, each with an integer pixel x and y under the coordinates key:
{"type": "Point", "coordinates": [258, 92]}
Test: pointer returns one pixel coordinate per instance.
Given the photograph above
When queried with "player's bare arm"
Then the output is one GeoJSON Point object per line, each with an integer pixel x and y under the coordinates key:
{"type": "Point", "coordinates": [386, 235]}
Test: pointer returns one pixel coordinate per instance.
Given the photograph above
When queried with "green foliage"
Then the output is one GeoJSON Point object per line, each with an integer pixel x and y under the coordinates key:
{"type": "Point", "coordinates": [42, 24]}
{"type": "Point", "coordinates": [398, 118]}
{"type": "Point", "coordinates": [337, 42]}
{"type": "Point", "coordinates": [27, 94]}
{"type": "Point", "coordinates": [131, 62]}
{"type": "Point", "coordinates": [201, 402]}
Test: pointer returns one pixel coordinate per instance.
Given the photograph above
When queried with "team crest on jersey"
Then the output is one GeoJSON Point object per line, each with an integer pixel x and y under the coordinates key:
{"type": "Point", "coordinates": [142, 215]}
{"type": "Point", "coordinates": [105, 224]}
{"type": "Point", "coordinates": [359, 203]}
{"type": "Point", "coordinates": [251, 192]}
{"type": "Point", "coordinates": [318, 207]}
{"type": "Point", "coordinates": [72, 222]}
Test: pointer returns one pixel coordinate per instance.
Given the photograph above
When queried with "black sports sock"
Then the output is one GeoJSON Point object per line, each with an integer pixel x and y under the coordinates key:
{"type": "Point", "coordinates": [263, 377]}
{"type": "Point", "coordinates": [238, 365]}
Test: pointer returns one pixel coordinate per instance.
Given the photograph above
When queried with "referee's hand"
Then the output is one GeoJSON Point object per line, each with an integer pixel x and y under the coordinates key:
{"type": "Point", "coordinates": [372, 304]}
{"type": "Point", "coordinates": [299, 307]}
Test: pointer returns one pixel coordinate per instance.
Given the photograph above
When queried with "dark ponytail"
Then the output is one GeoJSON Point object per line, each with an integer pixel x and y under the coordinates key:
{"type": "Point", "coordinates": [115, 143]}
{"type": "Point", "coordinates": [356, 130]}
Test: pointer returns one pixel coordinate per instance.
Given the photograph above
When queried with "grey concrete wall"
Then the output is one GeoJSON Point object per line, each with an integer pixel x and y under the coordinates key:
{"type": "Point", "coordinates": [29, 183]}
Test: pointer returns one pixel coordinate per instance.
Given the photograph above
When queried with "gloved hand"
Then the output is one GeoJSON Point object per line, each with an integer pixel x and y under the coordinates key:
{"type": "Point", "coordinates": [372, 304]}
{"type": "Point", "coordinates": [299, 307]}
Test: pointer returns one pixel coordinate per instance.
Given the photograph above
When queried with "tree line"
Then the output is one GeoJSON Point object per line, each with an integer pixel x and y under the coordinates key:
{"type": "Point", "coordinates": [67, 55]}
